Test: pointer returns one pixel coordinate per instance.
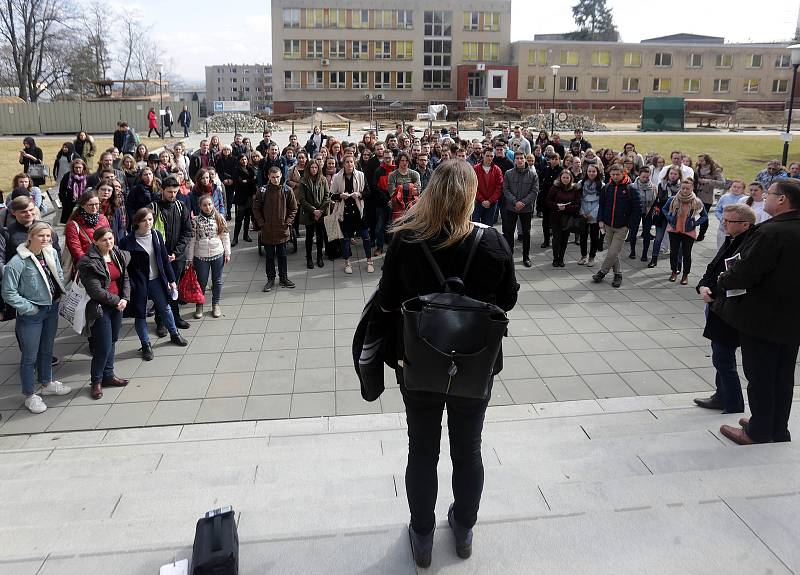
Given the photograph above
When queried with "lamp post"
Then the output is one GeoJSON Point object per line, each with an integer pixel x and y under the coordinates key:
{"type": "Point", "coordinates": [320, 119]}
{"type": "Point", "coordinates": [795, 55]}
{"type": "Point", "coordinates": [555, 68]}
{"type": "Point", "coordinates": [161, 99]}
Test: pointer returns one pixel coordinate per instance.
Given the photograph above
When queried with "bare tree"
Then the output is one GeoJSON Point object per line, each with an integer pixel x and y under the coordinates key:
{"type": "Point", "coordinates": [131, 38]}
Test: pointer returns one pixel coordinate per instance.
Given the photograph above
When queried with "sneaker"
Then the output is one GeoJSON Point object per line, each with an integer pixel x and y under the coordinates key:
{"type": "Point", "coordinates": [268, 286]}
{"type": "Point", "coordinates": [598, 277]}
{"type": "Point", "coordinates": [178, 339]}
{"type": "Point", "coordinates": [590, 262]}
{"type": "Point", "coordinates": [348, 269]}
{"type": "Point", "coordinates": [198, 311]}
{"type": "Point", "coordinates": [286, 283]}
{"type": "Point", "coordinates": [370, 268]}
{"type": "Point", "coordinates": [35, 404]}
{"type": "Point", "coordinates": [582, 261]}
{"type": "Point", "coordinates": [617, 280]}
{"type": "Point", "coordinates": [55, 388]}
{"type": "Point", "coordinates": [54, 361]}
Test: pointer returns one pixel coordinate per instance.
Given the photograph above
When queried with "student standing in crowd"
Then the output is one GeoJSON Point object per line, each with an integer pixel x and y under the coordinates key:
{"type": "Point", "coordinates": [550, 174]}
{"type": "Point", "coordinates": [647, 194]}
{"type": "Point", "coordinates": [684, 213]}
{"type": "Point", "coordinates": [71, 188]}
{"type": "Point", "coordinates": [348, 192]}
{"type": "Point", "coordinates": [590, 188]}
{"type": "Point", "coordinates": [708, 177]}
{"type": "Point", "coordinates": [208, 250]}
{"type": "Point", "coordinates": [735, 195]}
{"type": "Point", "coordinates": [520, 188]}
{"type": "Point", "coordinates": [564, 203]}
{"type": "Point", "coordinates": [152, 123]}
{"type": "Point", "coordinates": [274, 209]}
{"type": "Point", "coordinates": [81, 225]}
{"type": "Point", "coordinates": [669, 187]}
{"type": "Point", "coordinates": [31, 155]}
{"type": "Point", "coordinates": [490, 188]}
{"type": "Point", "coordinates": [380, 191]}
{"type": "Point", "coordinates": [314, 199]}
{"type": "Point", "coordinates": [244, 188]}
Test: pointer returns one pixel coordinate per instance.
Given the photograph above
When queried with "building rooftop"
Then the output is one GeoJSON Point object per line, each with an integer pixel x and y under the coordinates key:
{"type": "Point", "coordinates": [685, 39]}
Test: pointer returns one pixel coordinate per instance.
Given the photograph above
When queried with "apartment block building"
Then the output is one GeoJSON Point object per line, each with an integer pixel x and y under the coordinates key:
{"type": "Point", "coordinates": [240, 82]}
{"type": "Point", "coordinates": [344, 53]}
{"type": "Point", "coordinates": [694, 67]}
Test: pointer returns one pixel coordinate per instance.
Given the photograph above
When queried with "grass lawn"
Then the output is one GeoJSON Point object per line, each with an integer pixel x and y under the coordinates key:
{"type": "Point", "coordinates": [10, 148]}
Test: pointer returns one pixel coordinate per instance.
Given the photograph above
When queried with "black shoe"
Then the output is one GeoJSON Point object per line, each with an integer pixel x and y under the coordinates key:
{"type": "Point", "coordinates": [527, 262]}
{"type": "Point", "coordinates": [161, 331]}
{"type": "Point", "coordinates": [147, 352]}
{"type": "Point", "coordinates": [320, 261]}
{"type": "Point", "coordinates": [545, 244]}
{"type": "Point", "coordinates": [286, 283]}
{"type": "Point", "coordinates": [617, 280]}
{"type": "Point", "coordinates": [632, 256]}
{"type": "Point", "coordinates": [421, 547]}
{"type": "Point", "coordinates": [178, 339]}
{"type": "Point", "coordinates": [294, 246]}
{"type": "Point", "coordinates": [462, 535]}
{"type": "Point", "coordinates": [598, 277]}
{"type": "Point", "coordinates": [54, 361]}
{"type": "Point", "coordinates": [247, 239]}
{"type": "Point", "coordinates": [309, 263]}
{"type": "Point", "coordinates": [555, 263]}
{"type": "Point", "coordinates": [235, 242]}
{"type": "Point", "coordinates": [700, 238]}
{"type": "Point", "coordinates": [181, 323]}
{"type": "Point", "coordinates": [643, 258]}
{"type": "Point", "coordinates": [561, 263]}
{"type": "Point", "coordinates": [519, 237]}
{"type": "Point", "coordinates": [712, 402]}
{"type": "Point", "coordinates": [653, 263]}
{"type": "Point", "coordinates": [268, 286]}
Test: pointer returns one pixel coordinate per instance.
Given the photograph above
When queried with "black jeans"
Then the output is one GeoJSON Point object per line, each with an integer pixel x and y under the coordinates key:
{"type": "Point", "coordinates": [510, 227]}
{"type": "Point", "coordinates": [560, 237]}
{"type": "Point", "coordinates": [276, 251]}
{"type": "Point", "coordinates": [680, 245]}
{"type": "Point", "coordinates": [546, 225]}
{"type": "Point", "coordinates": [769, 368]}
{"type": "Point", "coordinates": [633, 231]}
{"type": "Point", "coordinates": [590, 232]}
{"type": "Point", "coordinates": [704, 227]}
{"type": "Point", "coordinates": [317, 228]}
{"type": "Point", "coordinates": [242, 217]}
{"type": "Point", "coordinates": [464, 425]}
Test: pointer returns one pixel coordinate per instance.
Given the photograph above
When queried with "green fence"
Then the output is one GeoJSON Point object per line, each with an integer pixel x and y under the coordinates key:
{"type": "Point", "coordinates": [662, 114]}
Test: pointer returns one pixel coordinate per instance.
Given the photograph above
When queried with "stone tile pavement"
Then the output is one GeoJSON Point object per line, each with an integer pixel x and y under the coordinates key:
{"type": "Point", "coordinates": [286, 354]}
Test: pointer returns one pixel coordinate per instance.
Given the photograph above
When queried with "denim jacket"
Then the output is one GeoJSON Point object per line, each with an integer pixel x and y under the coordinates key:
{"type": "Point", "coordinates": [25, 286]}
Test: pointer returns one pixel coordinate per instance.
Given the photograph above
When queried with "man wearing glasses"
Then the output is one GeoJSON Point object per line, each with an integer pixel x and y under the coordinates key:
{"type": "Point", "coordinates": [767, 316]}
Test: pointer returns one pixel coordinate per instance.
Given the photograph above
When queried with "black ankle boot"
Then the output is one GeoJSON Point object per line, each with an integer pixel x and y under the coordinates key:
{"type": "Point", "coordinates": [309, 263]}
{"type": "Point", "coordinates": [421, 547]}
{"type": "Point", "coordinates": [462, 534]}
{"type": "Point", "coordinates": [653, 262]}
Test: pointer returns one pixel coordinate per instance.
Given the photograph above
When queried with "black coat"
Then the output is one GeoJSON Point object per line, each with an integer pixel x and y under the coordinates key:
{"type": "Point", "coordinates": [226, 166]}
{"type": "Point", "coordinates": [96, 280]}
{"type": "Point", "coordinates": [244, 185]}
{"type": "Point", "coordinates": [139, 197]}
{"type": "Point", "coordinates": [717, 329]}
{"type": "Point", "coordinates": [36, 152]}
{"type": "Point", "coordinates": [139, 272]}
{"type": "Point", "coordinates": [769, 272]}
{"type": "Point", "coordinates": [185, 118]}
{"type": "Point", "coordinates": [177, 230]}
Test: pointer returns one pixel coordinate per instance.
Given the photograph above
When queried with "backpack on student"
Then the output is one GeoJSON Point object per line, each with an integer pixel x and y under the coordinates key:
{"type": "Point", "coordinates": [451, 341]}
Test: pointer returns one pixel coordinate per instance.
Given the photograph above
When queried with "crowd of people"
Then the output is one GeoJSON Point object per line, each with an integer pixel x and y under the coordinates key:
{"type": "Point", "coordinates": [135, 221]}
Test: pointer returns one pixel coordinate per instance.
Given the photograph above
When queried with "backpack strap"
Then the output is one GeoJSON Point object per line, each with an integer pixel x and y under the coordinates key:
{"type": "Point", "coordinates": [473, 248]}
{"type": "Point", "coordinates": [436, 269]}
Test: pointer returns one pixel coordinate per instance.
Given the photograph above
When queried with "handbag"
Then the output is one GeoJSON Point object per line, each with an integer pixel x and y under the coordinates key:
{"type": "Point", "coordinates": [570, 223]}
{"type": "Point", "coordinates": [72, 306]}
{"type": "Point", "coordinates": [216, 544]}
{"type": "Point", "coordinates": [37, 170]}
{"type": "Point", "coordinates": [451, 342]}
{"type": "Point", "coordinates": [189, 288]}
{"type": "Point", "coordinates": [332, 227]}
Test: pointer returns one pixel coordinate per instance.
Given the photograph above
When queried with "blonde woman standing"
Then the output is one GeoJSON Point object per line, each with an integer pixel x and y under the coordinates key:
{"type": "Point", "coordinates": [208, 251]}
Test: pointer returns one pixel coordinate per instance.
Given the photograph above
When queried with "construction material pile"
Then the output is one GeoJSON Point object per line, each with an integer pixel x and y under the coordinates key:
{"type": "Point", "coordinates": [238, 122]}
{"type": "Point", "coordinates": [542, 121]}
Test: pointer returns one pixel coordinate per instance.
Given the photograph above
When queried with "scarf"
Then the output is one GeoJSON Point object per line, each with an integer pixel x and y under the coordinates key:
{"type": "Point", "coordinates": [206, 225]}
{"type": "Point", "coordinates": [77, 184]}
{"type": "Point", "coordinates": [691, 202]}
{"type": "Point", "coordinates": [90, 219]}
{"type": "Point", "coordinates": [204, 190]}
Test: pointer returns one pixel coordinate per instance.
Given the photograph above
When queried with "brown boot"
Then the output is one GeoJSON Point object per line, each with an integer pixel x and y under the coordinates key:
{"type": "Point", "coordinates": [685, 279]}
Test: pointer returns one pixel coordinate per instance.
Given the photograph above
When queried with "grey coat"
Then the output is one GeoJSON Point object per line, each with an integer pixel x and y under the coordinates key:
{"type": "Point", "coordinates": [520, 186]}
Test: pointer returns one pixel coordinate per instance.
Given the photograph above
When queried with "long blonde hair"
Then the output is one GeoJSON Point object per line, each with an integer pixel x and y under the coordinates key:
{"type": "Point", "coordinates": [445, 206]}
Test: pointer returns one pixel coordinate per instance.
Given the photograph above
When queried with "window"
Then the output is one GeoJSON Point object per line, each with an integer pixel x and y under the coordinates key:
{"type": "Point", "coordinates": [360, 18]}
{"type": "Point", "coordinates": [436, 79]}
{"type": "Point", "coordinates": [569, 58]}
{"type": "Point", "coordinates": [751, 86]}
{"type": "Point", "coordinates": [753, 61]}
{"type": "Point", "coordinates": [337, 81]}
{"type": "Point", "coordinates": [404, 50]}
{"type": "Point", "coordinates": [568, 83]}
{"type": "Point", "coordinates": [661, 84]}
{"type": "Point", "coordinates": [723, 61]}
{"type": "Point", "coordinates": [491, 51]}
{"type": "Point", "coordinates": [599, 84]}
{"type": "Point", "coordinates": [314, 49]}
{"type": "Point", "coordinates": [782, 61]}
{"type": "Point", "coordinates": [291, 17]}
{"type": "Point", "coordinates": [780, 86]}
{"type": "Point", "coordinates": [491, 21]}
{"type": "Point", "coordinates": [471, 20]}
{"type": "Point", "coordinates": [663, 59]}
{"type": "Point", "coordinates": [360, 50]}
{"type": "Point", "coordinates": [404, 21]}
{"type": "Point", "coordinates": [383, 50]}
{"type": "Point", "coordinates": [383, 19]}
{"type": "Point", "coordinates": [383, 80]}
{"type": "Point", "coordinates": [291, 49]}
{"type": "Point", "coordinates": [536, 84]}
{"type": "Point", "coordinates": [632, 59]}
{"type": "Point", "coordinates": [437, 53]}
{"type": "Point", "coordinates": [233, 90]}
{"type": "Point", "coordinates": [403, 80]}
{"type": "Point", "coordinates": [497, 82]}
{"type": "Point", "coordinates": [234, 80]}
{"type": "Point", "coordinates": [314, 80]}
{"type": "Point", "coordinates": [337, 18]}
{"type": "Point", "coordinates": [691, 85]}
{"type": "Point", "coordinates": [601, 58]}
{"type": "Point", "coordinates": [537, 58]}
{"type": "Point", "coordinates": [360, 81]}
{"type": "Point", "coordinates": [338, 49]}
{"type": "Point", "coordinates": [470, 52]}
{"type": "Point", "coordinates": [291, 80]}
{"type": "Point", "coordinates": [630, 84]}
{"type": "Point", "coordinates": [722, 86]}
{"type": "Point", "coordinates": [315, 18]}
{"type": "Point", "coordinates": [694, 61]}
{"type": "Point", "coordinates": [438, 23]}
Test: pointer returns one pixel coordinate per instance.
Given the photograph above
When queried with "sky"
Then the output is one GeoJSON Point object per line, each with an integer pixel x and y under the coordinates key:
{"type": "Point", "coordinates": [204, 38]}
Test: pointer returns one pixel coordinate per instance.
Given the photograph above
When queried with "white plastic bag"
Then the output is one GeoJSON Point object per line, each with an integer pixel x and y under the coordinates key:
{"type": "Point", "coordinates": [73, 306]}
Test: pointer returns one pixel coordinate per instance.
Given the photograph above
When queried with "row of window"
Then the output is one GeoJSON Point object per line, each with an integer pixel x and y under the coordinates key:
{"type": "Point", "coordinates": [539, 57]}
{"type": "Point", "coordinates": [660, 85]}
{"type": "Point", "coordinates": [261, 80]}
{"type": "Point", "coordinates": [235, 90]}
{"type": "Point", "coordinates": [346, 49]}
{"type": "Point", "coordinates": [265, 70]}
{"type": "Point", "coordinates": [340, 80]}
{"type": "Point", "coordinates": [435, 22]}
{"type": "Point", "coordinates": [481, 52]}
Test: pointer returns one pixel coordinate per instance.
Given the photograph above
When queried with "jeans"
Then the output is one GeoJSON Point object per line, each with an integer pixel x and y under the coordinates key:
{"type": "Point", "coordinates": [592, 233]}
{"type": "Point", "coordinates": [729, 388]}
{"type": "Point", "coordinates": [279, 251]}
{"type": "Point", "coordinates": [661, 231]}
{"type": "Point", "coordinates": [560, 243]}
{"type": "Point", "coordinates": [382, 214]}
{"type": "Point", "coordinates": [318, 229]}
{"type": "Point", "coordinates": [616, 240]}
{"type": "Point", "coordinates": [203, 267]}
{"type": "Point", "coordinates": [704, 227]}
{"type": "Point", "coordinates": [485, 215]}
{"type": "Point", "coordinates": [769, 368]}
{"type": "Point", "coordinates": [35, 336]}
{"type": "Point", "coordinates": [346, 250]}
{"type": "Point", "coordinates": [513, 220]}
{"type": "Point", "coordinates": [680, 247]}
{"type": "Point", "coordinates": [465, 424]}
{"type": "Point", "coordinates": [186, 131]}
{"type": "Point", "coordinates": [160, 298]}
{"type": "Point", "coordinates": [105, 331]}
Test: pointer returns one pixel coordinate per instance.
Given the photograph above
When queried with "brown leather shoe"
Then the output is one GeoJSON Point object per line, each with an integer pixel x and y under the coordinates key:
{"type": "Point", "coordinates": [97, 390]}
{"type": "Point", "coordinates": [673, 276]}
{"type": "Point", "coordinates": [736, 435]}
{"type": "Point", "coordinates": [744, 422]}
{"type": "Point", "coordinates": [115, 382]}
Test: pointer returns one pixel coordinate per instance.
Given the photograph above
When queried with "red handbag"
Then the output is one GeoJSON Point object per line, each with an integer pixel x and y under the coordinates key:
{"type": "Point", "coordinates": [189, 288]}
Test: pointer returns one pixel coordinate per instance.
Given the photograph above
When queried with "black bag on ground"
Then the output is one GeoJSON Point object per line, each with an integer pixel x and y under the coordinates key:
{"type": "Point", "coordinates": [333, 249]}
{"type": "Point", "coordinates": [216, 544]}
{"type": "Point", "coordinates": [451, 341]}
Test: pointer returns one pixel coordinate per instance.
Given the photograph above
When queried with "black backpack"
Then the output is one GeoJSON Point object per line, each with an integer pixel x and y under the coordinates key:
{"type": "Point", "coordinates": [216, 544]}
{"type": "Point", "coordinates": [451, 341]}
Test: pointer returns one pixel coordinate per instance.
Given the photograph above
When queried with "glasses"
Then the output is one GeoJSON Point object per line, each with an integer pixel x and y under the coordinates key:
{"type": "Point", "coordinates": [93, 205]}
{"type": "Point", "coordinates": [774, 194]}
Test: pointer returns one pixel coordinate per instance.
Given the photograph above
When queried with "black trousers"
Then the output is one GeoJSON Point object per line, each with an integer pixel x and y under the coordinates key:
{"type": "Point", "coordinates": [590, 232]}
{"type": "Point", "coordinates": [318, 229]}
{"type": "Point", "coordinates": [510, 229]}
{"type": "Point", "coordinates": [680, 245]}
{"type": "Point", "coordinates": [704, 227]}
{"type": "Point", "coordinates": [242, 219]}
{"type": "Point", "coordinates": [464, 425]}
{"type": "Point", "coordinates": [560, 243]}
{"type": "Point", "coordinates": [546, 225]}
{"type": "Point", "coordinates": [769, 368]}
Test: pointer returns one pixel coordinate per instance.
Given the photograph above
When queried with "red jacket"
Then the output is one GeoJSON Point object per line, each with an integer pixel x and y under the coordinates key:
{"type": "Point", "coordinates": [78, 242]}
{"type": "Point", "coordinates": [151, 117]}
{"type": "Point", "coordinates": [490, 186]}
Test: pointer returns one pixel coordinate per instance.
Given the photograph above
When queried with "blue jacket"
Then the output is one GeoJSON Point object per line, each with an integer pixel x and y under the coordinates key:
{"type": "Point", "coordinates": [25, 286]}
{"type": "Point", "coordinates": [139, 271]}
{"type": "Point", "coordinates": [691, 223]}
{"type": "Point", "coordinates": [620, 205]}
{"type": "Point", "coordinates": [216, 196]}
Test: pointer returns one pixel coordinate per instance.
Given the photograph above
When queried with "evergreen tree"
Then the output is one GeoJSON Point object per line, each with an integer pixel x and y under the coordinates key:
{"type": "Point", "coordinates": [595, 21]}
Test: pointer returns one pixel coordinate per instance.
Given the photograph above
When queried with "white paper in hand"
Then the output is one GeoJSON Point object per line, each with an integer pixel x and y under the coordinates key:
{"type": "Point", "coordinates": [729, 263]}
{"type": "Point", "coordinates": [179, 568]}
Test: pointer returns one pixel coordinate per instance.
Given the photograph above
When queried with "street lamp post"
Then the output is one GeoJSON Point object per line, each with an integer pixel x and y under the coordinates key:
{"type": "Point", "coordinates": [161, 99]}
{"type": "Point", "coordinates": [555, 68]}
{"type": "Point", "coordinates": [320, 119]}
{"type": "Point", "coordinates": [795, 55]}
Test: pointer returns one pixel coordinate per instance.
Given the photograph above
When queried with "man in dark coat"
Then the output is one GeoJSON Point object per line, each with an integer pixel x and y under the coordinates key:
{"type": "Point", "coordinates": [172, 219]}
{"type": "Point", "coordinates": [737, 220]}
{"type": "Point", "coordinates": [767, 316]}
{"type": "Point", "coordinates": [185, 120]}
{"type": "Point", "coordinates": [274, 210]}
